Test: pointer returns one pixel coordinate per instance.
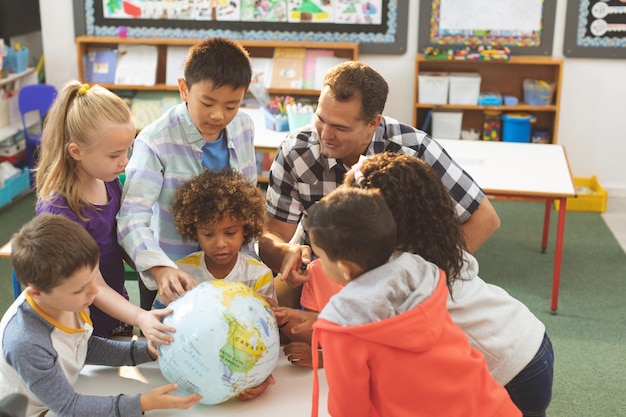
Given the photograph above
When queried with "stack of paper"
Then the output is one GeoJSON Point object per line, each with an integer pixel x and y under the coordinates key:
{"type": "Point", "coordinates": [136, 65]}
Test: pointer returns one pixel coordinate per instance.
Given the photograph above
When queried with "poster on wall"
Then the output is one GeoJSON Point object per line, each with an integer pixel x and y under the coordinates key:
{"type": "Point", "coordinates": [595, 29]}
{"type": "Point", "coordinates": [525, 26]}
{"type": "Point", "coordinates": [380, 26]}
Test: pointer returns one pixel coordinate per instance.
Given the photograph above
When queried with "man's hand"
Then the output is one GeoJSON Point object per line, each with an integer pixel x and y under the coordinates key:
{"type": "Point", "coordinates": [293, 269]}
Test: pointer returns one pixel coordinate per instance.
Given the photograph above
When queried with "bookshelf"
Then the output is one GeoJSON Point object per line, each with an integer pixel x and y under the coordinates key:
{"type": "Point", "coordinates": [505, 77]}
{"type": "Point", "coordinates": [177, 48]}
{"type": "Point", "coordinates": [256, 49]}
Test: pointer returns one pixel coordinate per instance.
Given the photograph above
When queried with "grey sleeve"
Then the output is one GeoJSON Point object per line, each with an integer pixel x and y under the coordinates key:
{"type": "Point", "coordinates": [36, 364]}
{"type": "Point", "coordinates": [116, 353]}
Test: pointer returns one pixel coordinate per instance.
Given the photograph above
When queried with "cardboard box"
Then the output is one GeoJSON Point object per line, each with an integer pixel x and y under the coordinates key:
{"type": "Point", "coordinates": [464, 88]}
{"type": "Point", "coordinates": [433, 87]}
{"type": "Point", "coordinates": [591, 196]}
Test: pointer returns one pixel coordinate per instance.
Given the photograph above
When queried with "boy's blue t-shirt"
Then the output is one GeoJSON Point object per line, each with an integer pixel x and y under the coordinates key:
{"type": "Point", "coordinates": [215, 154]}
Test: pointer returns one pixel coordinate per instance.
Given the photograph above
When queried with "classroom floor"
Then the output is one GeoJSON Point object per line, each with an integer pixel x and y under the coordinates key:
{"type": "Point", "coordinates": [615, 218]}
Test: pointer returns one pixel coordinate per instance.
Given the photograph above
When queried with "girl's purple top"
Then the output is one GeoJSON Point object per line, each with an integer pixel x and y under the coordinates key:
{"type": "Point", "coordinates": [102, 226]}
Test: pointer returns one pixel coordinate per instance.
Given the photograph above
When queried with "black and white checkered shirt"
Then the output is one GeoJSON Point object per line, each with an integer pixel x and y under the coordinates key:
{"type": "Point", "coordinates": [300, 175]}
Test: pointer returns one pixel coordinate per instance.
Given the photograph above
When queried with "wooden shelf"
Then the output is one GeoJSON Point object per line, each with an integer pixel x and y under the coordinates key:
{"type": "Point", "coordinates": [256, 49]}
{"type": "Point", "coordinates": [504, 77]}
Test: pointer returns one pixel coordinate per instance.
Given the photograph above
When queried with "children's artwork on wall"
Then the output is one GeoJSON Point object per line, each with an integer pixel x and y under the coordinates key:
{"type": "Point", "coordinates": [380, 26]}
{"type": "Point", "coordinates": [524, 26]}
{"type": "Point", "coordinates": [595, 29]}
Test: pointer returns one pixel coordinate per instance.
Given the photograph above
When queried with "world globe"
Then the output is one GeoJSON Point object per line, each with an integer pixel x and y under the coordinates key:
{"type": "Point", "coordinates": [226, 341]}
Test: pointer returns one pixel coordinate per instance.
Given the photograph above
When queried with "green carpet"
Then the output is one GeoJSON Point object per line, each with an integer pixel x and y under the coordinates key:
{"type": "Point", "coordinates": [589, 331]}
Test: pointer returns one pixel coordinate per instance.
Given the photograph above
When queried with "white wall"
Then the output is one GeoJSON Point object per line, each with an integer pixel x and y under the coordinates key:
{"type": "Point", "coordinates": [592, 126]}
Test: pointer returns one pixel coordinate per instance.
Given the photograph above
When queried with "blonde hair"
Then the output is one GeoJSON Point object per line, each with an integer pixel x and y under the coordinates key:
{"type": "Point", "coordinates": [76, 116]}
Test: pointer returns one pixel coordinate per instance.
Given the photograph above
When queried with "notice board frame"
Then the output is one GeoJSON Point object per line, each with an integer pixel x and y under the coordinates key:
{"type": "Point", "coordinates": [580, 42]}
{"type": "Point", "coordinates": [429, 21]}
{"type": "Point", "coordinates": [388, 38]}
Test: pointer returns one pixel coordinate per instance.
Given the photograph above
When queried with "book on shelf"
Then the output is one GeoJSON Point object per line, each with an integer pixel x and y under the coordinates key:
{"type": "Point", "coordinates": [175, 63]}
{"type": "Point", "coordinates": [310, 64]}
{"type": "Point", "coordinates": [136, 65]}
{"type": "Point", "coordinates": [262, 70]}
{"type": "Point", "coordinates": [288, 68]}
{"type": "Point", "coordinates": [147, 106]}
{"type": "Point", "coordinates": [101, 65]}
{"type": "Point", "coordinates": [322, 65]}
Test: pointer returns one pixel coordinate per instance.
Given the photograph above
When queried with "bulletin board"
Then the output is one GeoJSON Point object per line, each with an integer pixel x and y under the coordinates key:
{"type": "Point", "coordinates": [595, 29]}
{"type": "Point", "coordinates": [525, 26]}
{"type": "Point", "coordinates": [379, 26]}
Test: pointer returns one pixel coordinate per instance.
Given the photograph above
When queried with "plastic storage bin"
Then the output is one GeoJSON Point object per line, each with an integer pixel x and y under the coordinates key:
{"type": "Point", "coordinates": [537, 92]}
{"type": "Point", "coordinates": [591, 196]}
{"type": "Point", "coordinates": [447, 124]}
{"type": "Point", "coordinates": [14, 186]}
{"type": "Point", "coordinates": [464, 88]}
{"type": "Point", "coordinates": [516, 127]}
{"type": "Point", "coordinates": [492, 125]}
{"type": "Point", "coordinates": [433, 87]}
{"type": "Point", "coordinates": [16, 60]}
{"type": "Point", "coordinates": [298, 120]}
{"type": "Point", "coordinates": [275, 120]}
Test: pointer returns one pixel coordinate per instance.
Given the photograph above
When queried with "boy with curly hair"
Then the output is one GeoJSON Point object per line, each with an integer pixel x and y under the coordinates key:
{"type": "Point", "coordinates": [223, 212]}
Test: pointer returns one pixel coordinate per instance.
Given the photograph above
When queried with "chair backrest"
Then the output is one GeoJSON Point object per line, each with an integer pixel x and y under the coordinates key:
{"type": "Point", "coordinates": [35, 97]}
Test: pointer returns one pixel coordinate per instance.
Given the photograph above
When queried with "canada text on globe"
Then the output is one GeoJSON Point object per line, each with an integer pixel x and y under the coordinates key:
{"type": "Point", "coordinates": [226, 341]}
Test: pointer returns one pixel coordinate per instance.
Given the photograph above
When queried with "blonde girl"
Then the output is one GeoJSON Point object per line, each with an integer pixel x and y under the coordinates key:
{"type": "Point", "coordinates": [86, 137]}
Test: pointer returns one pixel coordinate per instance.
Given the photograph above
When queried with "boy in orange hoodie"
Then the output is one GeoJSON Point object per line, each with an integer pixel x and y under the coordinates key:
{"type": "Point", "coordinates": [407, 357]}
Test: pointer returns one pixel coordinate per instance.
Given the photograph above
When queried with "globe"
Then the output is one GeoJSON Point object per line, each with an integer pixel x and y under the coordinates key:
{"type": "Point", "coordinates": [226, 341]}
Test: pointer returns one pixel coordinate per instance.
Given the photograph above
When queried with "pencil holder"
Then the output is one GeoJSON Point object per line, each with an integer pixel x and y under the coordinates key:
{"type": "Point", "coordinates": [16, 61]}
{"type": "Point", "coordinates": [274, 120]}
{"type": "Point", "coordinates": [298, 120]}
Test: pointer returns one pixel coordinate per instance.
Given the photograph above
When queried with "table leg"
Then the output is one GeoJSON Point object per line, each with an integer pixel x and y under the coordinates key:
{"type": "Point", "coordinates": [558, 254]}
{"type": "Point", "coordinates": [546, 225]}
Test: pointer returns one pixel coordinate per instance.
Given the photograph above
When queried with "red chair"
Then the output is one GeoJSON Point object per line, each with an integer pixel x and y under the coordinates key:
{"type": "Point", "coordinates": [34, 98]}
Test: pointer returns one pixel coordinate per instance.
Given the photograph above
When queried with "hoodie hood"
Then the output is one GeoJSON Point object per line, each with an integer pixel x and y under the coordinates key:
{"type": "Point", "coordinates": [398, 296]}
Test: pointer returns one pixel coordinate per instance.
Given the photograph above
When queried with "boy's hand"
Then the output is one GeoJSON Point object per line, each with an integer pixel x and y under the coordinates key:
{"type": "Point", "coordinates": [153, 329]}
{"type": "Point", "coordinates": [299, 320]}
{"type": "Point", "coordinates": [160, 398]}
{"type": "Point", "coordinates": [252, 393]}
{"type": "Point", "coordinates": [172, 282]}
{"type": "Point", "coordinates": [301, 354]}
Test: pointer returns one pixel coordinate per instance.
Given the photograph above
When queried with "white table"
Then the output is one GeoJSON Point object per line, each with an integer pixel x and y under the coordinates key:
{"type": "Point", "coordinates": [265, 140]}
{"type": "Point", "coordinates": [523, 171]}
{"type": "Point", "coordinates": [289, 397]}
{"type": "Point", "coordinates": [526, 171]}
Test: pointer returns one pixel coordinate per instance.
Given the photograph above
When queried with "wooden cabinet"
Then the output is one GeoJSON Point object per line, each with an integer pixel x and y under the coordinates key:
{"type": "Point", "coordinates": [256, 49]}
{"type": "Point", "coordinates": [504, 77]}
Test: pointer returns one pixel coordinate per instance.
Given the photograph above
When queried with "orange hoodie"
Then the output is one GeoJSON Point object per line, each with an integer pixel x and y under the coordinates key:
{"type": "Point", "coordinates": [414, 363]}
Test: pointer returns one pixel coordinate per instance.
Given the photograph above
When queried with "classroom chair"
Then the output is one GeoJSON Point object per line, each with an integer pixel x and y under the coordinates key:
{"type": "Point", "coordinates": [34, 98]}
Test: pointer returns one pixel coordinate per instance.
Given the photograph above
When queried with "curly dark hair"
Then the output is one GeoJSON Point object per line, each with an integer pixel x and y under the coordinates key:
{"type": "Point", "coordinates": [422, 207]}
{"type": "Point", "coordinates": [209, 197]}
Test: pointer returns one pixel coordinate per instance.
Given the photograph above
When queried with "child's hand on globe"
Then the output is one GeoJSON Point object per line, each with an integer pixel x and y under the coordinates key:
{"type": "Point", "coordinates": [252, 393]}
